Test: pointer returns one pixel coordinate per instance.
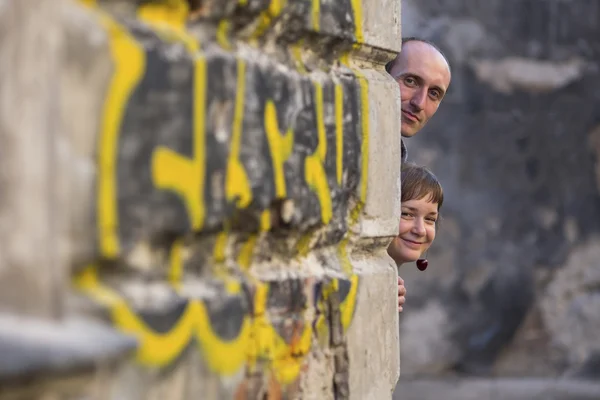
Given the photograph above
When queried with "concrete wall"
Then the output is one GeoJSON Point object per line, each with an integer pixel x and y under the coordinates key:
{"type": "Point", "coordinates": [512, 287]}
{"type": "Point", "coordinates": [196, 199]}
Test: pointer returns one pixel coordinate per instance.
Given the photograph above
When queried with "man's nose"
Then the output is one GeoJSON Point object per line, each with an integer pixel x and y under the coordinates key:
{"type": "Point", "coordinates": [418, 99]}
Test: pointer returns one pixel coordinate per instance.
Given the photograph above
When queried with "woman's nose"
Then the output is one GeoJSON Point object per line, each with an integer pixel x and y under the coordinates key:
{"type": "Point", "coordinates": [419, 227]}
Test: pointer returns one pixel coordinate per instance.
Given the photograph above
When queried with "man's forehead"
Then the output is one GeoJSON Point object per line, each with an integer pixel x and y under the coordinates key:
{"type": "Point", "coordinates": [423, 59]}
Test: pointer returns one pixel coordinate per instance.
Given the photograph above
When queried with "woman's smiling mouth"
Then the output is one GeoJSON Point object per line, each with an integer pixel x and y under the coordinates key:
{"type": "Point", "coordinates": [412, 244]}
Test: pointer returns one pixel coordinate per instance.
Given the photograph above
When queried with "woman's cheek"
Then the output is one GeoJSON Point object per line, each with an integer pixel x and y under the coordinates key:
{"type": "Point", "coordinates": [431, 235]}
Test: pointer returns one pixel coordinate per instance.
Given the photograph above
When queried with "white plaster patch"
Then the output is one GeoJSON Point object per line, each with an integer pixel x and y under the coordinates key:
{"type": "Point", "coordinates": [513, 73]}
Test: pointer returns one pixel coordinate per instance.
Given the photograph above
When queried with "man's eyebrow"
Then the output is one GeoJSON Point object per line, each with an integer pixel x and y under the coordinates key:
{"type": "Point", "coordinates": [411, 74]}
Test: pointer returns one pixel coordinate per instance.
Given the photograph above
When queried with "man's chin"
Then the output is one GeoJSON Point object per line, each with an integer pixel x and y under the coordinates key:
{"type": "Point", "coordinates": [408, 131]}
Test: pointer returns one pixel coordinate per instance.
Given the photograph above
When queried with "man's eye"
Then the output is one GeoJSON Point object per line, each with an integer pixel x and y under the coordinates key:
{"type": "Point", "coordinates": [410, 81]}
{"type": "Point", "coordinates": [434, 94]}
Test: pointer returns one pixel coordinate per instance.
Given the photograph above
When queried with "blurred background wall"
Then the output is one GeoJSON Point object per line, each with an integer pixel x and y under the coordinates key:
{"type": "Point", "coordinates": [513, 287]}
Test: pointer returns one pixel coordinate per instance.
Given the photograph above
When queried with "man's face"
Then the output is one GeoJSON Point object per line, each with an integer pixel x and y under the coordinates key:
{"type": "Point", "coordinates": [424, 76]}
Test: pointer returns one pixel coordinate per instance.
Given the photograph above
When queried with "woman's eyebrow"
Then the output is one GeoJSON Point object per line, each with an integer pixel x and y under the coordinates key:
{"type": "Point", "coordinates": [415, 209]}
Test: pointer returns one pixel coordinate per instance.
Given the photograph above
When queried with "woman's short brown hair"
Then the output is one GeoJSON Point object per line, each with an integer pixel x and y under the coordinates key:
{"type": "Point", "coordinates": [418, 182]}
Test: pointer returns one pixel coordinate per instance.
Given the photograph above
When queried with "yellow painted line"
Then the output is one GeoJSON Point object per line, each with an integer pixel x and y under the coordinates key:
{"type": "Point", "coordinates": [358, 20]}
{"type": "Point", "coordinates": [339, 131]}
{"type": "Point", "coordinates": [223, 34]}
{"type": "Point", "coordinates": [129, 66]}
{"type": "Point", "coordinates": [280, 147]}
{"type": "Point", "coordinates": [182, 175]}
{"type": "Point", "coordinates": [237, 185]}
{"type": "Point", "coordinates": [364, 147]}
{"type": "Point", "coordinates": [315, 174]}
{"type": "Point", "coordinates": [316, 15]}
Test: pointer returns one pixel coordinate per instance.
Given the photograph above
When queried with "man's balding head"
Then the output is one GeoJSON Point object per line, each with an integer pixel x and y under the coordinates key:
{"type": "Point", "coordinates": [423, 73]}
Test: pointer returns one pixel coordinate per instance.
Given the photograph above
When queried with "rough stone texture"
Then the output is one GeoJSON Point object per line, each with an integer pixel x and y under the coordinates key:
{"type": "Point", "coordinates": [373, 361]}
{"type": "Point", "coordinates": [511, 289]}
{"type": "Point", "coordinates": [30, 43]}
{"type": "Point", "coordinates": [227, 185]}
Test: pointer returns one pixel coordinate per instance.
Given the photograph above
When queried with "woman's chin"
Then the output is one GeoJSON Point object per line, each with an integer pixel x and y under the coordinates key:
{"type": "Point", "coordinates": [401, 255]}
{"type": "Point", "coordinates": [409, 256]}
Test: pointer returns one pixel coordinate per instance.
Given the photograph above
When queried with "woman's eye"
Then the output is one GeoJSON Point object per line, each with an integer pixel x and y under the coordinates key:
{"type": "Point", "coordinates": [406, 215]}
{"type": "Point", "coordinates": [432, 220]}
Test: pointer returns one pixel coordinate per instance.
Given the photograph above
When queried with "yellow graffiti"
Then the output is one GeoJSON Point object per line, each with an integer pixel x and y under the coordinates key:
{"type": "Point", "coordinates": [348, 306]}
{"type": "Point", "coordinates": [349, 303]}
{"type": "Point", "coordinates": [156, 350]}
{"type": "Point", "coordinates": [172, 171]}
{"type": "Point", "coordinates": [296, 52]}
{"type": "Point", "coordinates": [173, 13]}
{"type": "Point", "coordinates": [342, 251]}
{"type": "Point", "coordinates": [321, 325]}
{"type": "Point", "coordinates": [315, 14]}
{"type": "Point", "coordinates": [223, 34]}
{"type": "Point", "coordinates": [303, 246]}
{"type": "Point", "coordinates": [237, 185]}
{"type": "Point", "coordinates": [256, 340]}
{"type": "Point", "coordinates": [265, 220]}
{"type": "Point", "coordinates": [168, 19]}
{"type": "Point", "coordinates": [286, 359]}
{"type": "Point", "coordinates": [339, 132]}
{"type": "Point", "coordinates": [364, 100]}
{"type": "Point", "coordinates": [176, 262]}
{"type": "Point", "coordinates": [184, 176]}
{"type": "Point", "coordinates": [280, 147]}
{"type": "Point", "coordinates": [314, 170]}
{"type": "Point", "coordinates": [276, 7]}
{"type": "Point", "coordinates": [246, 252]}
{"type": "Point", "coordinates": [129, 64]}
{"type": "Point", "coordinates": [358, 21]}
{"type": "Point", "coordinates": [266, 18]}
{"type": "Point", "coordinates": [364, 146]}
{"type": "Point", "coordinates": [220, 247]}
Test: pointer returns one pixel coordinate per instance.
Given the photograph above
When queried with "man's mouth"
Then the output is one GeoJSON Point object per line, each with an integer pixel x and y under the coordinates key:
{"type": "Point", "coordinates": [410, 116]}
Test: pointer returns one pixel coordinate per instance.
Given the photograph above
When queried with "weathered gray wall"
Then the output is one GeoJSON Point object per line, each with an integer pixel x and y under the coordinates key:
{"type": "Point", "coordinates": [197, 199]}
{"type": "Point", "coordinates": [512, 288]}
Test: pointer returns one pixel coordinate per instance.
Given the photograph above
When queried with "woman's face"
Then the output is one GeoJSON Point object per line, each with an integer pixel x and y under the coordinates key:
{"type": "Point", "coordinates": [417, 230]}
